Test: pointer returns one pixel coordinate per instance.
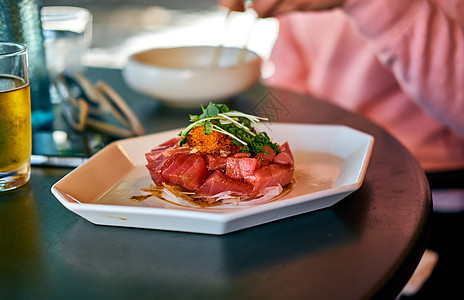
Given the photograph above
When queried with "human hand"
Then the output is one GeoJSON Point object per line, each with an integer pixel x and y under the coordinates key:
{"type": "Point", "coordinates": [270, 8]}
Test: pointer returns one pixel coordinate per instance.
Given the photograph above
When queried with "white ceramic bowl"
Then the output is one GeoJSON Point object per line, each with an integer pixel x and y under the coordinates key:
{"type": "Point", "coordinates": [187, 76]}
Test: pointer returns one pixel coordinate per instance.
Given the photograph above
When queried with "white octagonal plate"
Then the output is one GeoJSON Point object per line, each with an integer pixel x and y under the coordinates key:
{"type": "Point", "coordinates": [330, 164]}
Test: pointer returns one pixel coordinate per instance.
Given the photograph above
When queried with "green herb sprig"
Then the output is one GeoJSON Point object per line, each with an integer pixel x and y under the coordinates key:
{"type": "Point", "coordinates": [237, 125]}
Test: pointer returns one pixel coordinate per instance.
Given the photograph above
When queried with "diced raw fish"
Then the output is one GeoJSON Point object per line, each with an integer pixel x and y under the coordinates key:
{"type": "Point", "coordinates": [239, 168]}
{"type": "Point", "coordinates": [185, 170]}
{"type": "Point", "coordinates": [153, 155]}
{"type": "Point", "coordinates": [218, 182]}
{"type": "Point", "coordinates": [270, 175]}
{"type": "Point", "coordinates": [283, 158]}
{"type": "Point", "coordinates": [285, 147]}
{"type": "Point", "coordinates": [155, 168]}
{"type": "Point", "coordinates": [216, 162]}
{"type": "Point", "coordinates": [266, 157]}
{"type": "Point", "coordinates": [155, 152]}
{"type": "Point", "coordinates": [239, 174]}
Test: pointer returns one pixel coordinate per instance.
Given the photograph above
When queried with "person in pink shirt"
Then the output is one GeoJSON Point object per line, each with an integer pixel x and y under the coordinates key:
{"type": "Point", "coordinates": [399, 63]}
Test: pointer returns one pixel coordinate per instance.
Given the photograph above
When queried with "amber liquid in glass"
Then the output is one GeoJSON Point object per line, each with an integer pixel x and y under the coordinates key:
{"type": "Point", "coordinates": [15, 124]}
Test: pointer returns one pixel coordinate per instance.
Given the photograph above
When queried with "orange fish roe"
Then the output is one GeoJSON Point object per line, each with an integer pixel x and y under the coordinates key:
{"type": "Point", "coordinates": [213, 143]}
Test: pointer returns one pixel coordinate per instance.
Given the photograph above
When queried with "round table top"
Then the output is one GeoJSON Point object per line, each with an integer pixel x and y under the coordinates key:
{"type": "Point", "coordinates": [367, 245]}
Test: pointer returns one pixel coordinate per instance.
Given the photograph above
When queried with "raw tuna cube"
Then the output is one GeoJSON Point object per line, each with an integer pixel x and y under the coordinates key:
{"type": "Point", "coordinates": [283, 158]}
{"type": "Point", "coordinates": [153, 155]}
{"type": "Point", "coordinates": [155, 152]}
{"type": "Point", "coordinates": [185, 170]}
{"type": "Point", "coordinates": [155, 168]}
{"type": "Point", "coordinates": [239, 168]}
{"type": "Point", "coordinates": [270, 175]}
{"type": "Point", "coordinates": [216, 162]}
{"type": "Point", "coordinates": [285, 147]}
{"type": "Point", "coordinates": [266, 157]}
{"type": "Point", "coordinates": [217, 182]}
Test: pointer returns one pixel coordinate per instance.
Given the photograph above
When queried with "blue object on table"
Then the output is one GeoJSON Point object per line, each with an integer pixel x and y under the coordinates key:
{"type": "Point", "coordinates": [20, 22]}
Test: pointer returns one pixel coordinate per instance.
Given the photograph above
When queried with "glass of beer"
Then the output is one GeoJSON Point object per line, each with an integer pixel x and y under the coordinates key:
{"type": "Point", "coordinates": [15, 117]}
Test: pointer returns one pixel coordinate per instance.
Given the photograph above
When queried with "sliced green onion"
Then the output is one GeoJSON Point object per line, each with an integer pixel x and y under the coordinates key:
{"type": "Point", "coordinates": [238, 124]}
{"type": "Point", "coordinates": [194, 124]}
{"type": "Point", "coordinates": [252, 118]}
{"type": "Point", "coordinates": [219, 129]}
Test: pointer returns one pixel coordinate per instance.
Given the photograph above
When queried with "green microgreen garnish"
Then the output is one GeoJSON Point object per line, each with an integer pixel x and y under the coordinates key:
{"type": "Point", "coordinates": [237, 125]}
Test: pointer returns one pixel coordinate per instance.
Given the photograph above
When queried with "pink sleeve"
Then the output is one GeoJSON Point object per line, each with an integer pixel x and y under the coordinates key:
{"type": "Point", "coordinates": [424, 48]}
{"type": "Point", "coordinates": [289, 67]}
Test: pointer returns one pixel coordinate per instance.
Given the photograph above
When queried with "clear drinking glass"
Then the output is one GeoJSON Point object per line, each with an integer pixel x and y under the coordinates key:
{"type": "Point", "coordinates": [68, 35]}
{"type": "Point", "coordinates": [15, 116]}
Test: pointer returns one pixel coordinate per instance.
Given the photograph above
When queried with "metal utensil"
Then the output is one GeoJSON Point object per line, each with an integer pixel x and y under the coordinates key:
{"type": "Point", "coordinates": [87, 105]}
{"type": "Point", "coordinates": [244, 49]}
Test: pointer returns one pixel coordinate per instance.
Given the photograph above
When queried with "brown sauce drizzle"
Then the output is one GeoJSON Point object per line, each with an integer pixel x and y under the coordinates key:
{"type": "Point", "coordinates": [198, 201]}
{"type": "Point", "coordinates": [139, 198]}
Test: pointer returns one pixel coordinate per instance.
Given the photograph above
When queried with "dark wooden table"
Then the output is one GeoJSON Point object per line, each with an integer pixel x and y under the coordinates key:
{"type": "Point", "coordinates": [366, 246]}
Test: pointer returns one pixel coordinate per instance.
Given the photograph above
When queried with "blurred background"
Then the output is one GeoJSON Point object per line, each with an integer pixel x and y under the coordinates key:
{"type": "Point", "coordinates": [122, 27]}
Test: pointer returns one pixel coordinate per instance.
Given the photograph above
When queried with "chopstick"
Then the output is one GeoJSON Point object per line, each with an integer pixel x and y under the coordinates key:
{"type": "Point", "coordinates": [218, 51]}
{"type": "Point", "coordinates": [244, 49]}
